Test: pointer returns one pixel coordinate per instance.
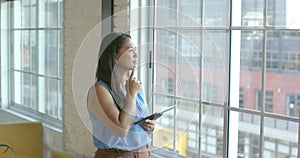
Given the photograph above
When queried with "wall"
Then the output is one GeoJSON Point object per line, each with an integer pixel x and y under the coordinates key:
{"type": "Point", "coordinates": [121, 15]}
{"type": "Point", "coordinates": [80, 17]}
{"type": "Point", "coordinates": [82, 41]}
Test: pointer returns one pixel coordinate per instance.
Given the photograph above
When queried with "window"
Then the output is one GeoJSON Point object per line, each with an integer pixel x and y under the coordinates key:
{"type": "Point", "coordinates": [32, 45]}
{"type": "Point", "coordinates": [237, 54]}
{"type": "Point", "coordinates": [268, 101]}
{"type": "Point", "coordinates": [293, 105]}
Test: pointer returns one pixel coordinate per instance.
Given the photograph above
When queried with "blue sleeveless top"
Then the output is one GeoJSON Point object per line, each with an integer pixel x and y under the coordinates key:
{"type": "Point", "coordinates": [136, 137]}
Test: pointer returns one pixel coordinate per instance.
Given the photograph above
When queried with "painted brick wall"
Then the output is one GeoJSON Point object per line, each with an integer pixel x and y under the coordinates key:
{"type": "Point", "coordinates": [121, 20]}
{"type": "Point", "coordinates": [80, 17]}
{"type": "Point", "coordinates": [81, 44]}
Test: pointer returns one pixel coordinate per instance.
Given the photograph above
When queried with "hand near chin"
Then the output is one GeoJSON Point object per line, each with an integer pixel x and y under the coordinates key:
{"type": "Point", "coordinates": [133, 85]}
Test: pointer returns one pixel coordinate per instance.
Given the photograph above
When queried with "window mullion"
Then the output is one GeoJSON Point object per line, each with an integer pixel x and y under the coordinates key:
{"type": "Point", "coordinates": [262, 110]}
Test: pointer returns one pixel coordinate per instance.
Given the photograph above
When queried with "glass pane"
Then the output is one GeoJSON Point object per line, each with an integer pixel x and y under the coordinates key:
{"type": "Point", "coordinates": [282, 78]}
{"type": "Point", "coordinates": [163, 135]}
{"type": "Point", "coordinates": [33, 15]}
{"type": "Point", "coordinates": [42, 52]}
{"type": "Point", "coordinates": [283, 14]}
{"type": "Point", "coordinates": [60, 49]}
{"type": "Point", "coordinates": [215, 13]}
{"type": "Point", "coordinates": [164, 60]}
{"type": "Point", "coordinates": [18, 49]}
{"type": "Point", "coordinates": [60, 13]}
{"type": "Point", "coordinates": [17, 12]}
{"type": "Point", "coordinates": [213, 67]}
{"type": "Point", "coordinates": [25, 13]}
{"type": "Point", "coordinates": [247, 12]}
{"type": "Point", "coordinates": [165, 13]}
{"type": "Point", "coordinates": [42, 12]}
{"type": "Point", "coordinates": [52, 109]}
{"type": "Point", "coordinates": [60, 99]}
{"type": "Point", "coordinates": [248, 135]}
{"type": "Point", "coordinates": [189, 13]}
{"type": "Point", "coordinates": [28, 90]}
{"type": "Point", "coordinates": [28, 49]}
{"type": "Point", "coordinates": [52, 53]}
{"type": "Point", "coordinates": [280, 139]}
{"type": "Point", "coordinates": [52, 14]}
{"type": "Point", "coordinates": [42, 95]}
{"type": "Point", "coordinates": [211, 133]}
{"type": "Point", "coordinates": [250, 69]}
{"type": "Point", "coordinates": [17, 91]}
{"type": "Point", "coordinates": [33, 53]}
{"type": "Point", "coordinates": [189, 57]}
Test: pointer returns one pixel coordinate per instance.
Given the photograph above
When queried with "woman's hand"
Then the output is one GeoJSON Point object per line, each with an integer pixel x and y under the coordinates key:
{"type": "Point", "coordinates": [133, 85]}
{"type": "Point", "coordinates": [149, 125]}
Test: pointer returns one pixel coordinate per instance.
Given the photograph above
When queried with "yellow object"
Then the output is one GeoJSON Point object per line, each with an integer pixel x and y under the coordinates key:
{"type": "Point", "coordinates": [26, 138]}
{"type": "Point", "coordinates": [163, 138]}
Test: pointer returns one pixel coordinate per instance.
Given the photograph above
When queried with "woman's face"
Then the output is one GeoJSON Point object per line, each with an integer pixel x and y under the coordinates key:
{"type": "Point", "coordinates": [127, 57]}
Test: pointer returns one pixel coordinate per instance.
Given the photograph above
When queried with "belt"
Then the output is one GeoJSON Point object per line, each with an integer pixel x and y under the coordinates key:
{"type": "Point", "coordinates": [142, 152]}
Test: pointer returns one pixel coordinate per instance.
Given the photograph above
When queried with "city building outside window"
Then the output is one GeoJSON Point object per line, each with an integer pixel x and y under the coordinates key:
{"type": "Point", "coordinates": [243, 59]}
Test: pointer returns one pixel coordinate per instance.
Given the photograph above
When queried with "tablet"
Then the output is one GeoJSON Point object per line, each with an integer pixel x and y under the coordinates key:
{"type": "Point", "coordinates": [154, 116]}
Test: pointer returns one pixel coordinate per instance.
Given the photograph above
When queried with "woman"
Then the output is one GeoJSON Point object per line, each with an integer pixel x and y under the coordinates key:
{"type": "Point", "coordinates": [116, 100]}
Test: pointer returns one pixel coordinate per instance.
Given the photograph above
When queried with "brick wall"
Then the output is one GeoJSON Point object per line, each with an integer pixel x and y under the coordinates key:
{"type": "Point", "coordinates": [81, 44]}
{"type": "Point", "coordinates": [80, 17]}
{"type": "Point", "coordinates": [121, 16]}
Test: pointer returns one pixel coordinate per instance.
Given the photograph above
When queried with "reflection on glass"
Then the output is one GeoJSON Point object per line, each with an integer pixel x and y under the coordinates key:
{"type": "Point", "coordinates": [33, 14]}
{"type": "Point", "coordinates": [165, 13]}
{"type": "Point", "coordinates": [42, 52]}
{"type": "Point", "coordinates": [52, 53]}
{"type": "Point", "coordinates": [248, 135]}
{"type": "Point", "coordinates": [60, 54]}
{"type": "Point", "coordinates": [18, 51]}
{"type": "Point", "coordinates": [215, 13]}
{"type": "Point", "coordinates": [163, 136]}
{"type": "Point", "coordinates": [280, 139]}
{"type": "Point", "coordinates": [165, 62]}
{"type": "Point", "coordinates": [52, 107]}
{"type": "Point", "coordinates": [52, 14]}
{"type": "Point", "coordinates": [42, 11]}
{"type": "Point", "coordinates": [189, 56]}
{"type": "Point", "coordinates": [250, 70]}
{"type": "Point", "coordinates": [60, 99]}
{"type": "Point", "coordinates": [213, 66]}
{"type": "Point", "coordinates": [211, 133]}
{"type": "Point", "coordinates": [189, 13]}
{"type": "Point", "coordinates": [17, 11]}
{"type": "Point", "coordinates": [25, 13]}
{"type": "Point", "coordinates": [17, 87]}
{"type": "Point", "coordinates": [282, 78]}
{"type": "Point", "coordinates": [42, 94]}
{"type": "Point", "coordinates": [283, 14]}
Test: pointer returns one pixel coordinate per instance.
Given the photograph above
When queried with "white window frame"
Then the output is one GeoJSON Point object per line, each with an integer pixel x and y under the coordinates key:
{"type": "Point", "coordinates": [7, 64]}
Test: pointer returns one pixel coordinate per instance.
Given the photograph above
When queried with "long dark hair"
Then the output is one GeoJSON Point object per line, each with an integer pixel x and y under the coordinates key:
{"type": "Point", "coordinates": [110, 45]}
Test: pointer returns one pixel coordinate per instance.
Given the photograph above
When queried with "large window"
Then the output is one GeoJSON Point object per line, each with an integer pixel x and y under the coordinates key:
{"type": "Point", "coordinates": [32, 48]}
{"type": "Point", "coordinates": [231, 67]}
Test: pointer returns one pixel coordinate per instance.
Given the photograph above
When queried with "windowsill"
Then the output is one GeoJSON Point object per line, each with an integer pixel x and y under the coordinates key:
{"type": "Point", "coordinates": [22, 116]}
